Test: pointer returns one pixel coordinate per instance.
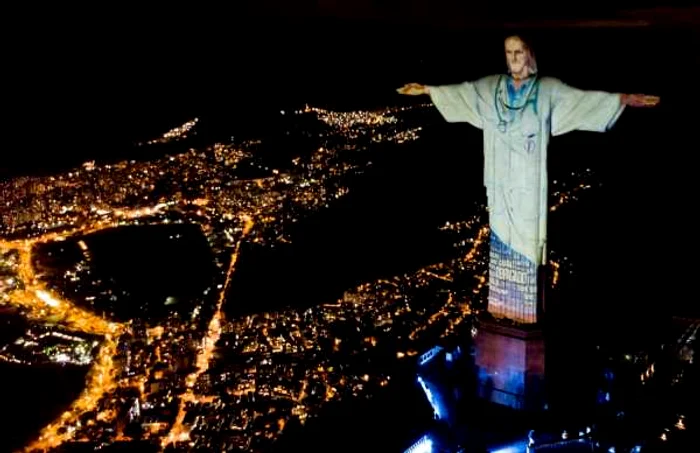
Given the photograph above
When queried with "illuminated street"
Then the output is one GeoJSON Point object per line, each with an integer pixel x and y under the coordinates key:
{"type": "Point", "coordinates": [177, 431]}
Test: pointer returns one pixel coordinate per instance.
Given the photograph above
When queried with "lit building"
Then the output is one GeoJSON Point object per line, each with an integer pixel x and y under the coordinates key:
{"type": "Point", "coordinates": [441, 379]}
{"type": "Point", "coordinates": [434, 380]}
{"type": "Point", "coordinates": [422, 445]}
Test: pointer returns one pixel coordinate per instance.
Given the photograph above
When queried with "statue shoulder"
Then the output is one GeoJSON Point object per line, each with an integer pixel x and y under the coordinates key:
{"type": "Point", "coordinates": [490, 80]}
{"type": "Point", "coordinates": [550, 82]}
{"type": "Point", "coordinates": [550, 85]}
{"type": "Point", "coordinates": [487, 83]}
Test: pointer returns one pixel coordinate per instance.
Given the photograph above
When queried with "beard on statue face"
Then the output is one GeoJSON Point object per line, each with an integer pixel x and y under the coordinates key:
{"type": "Point", "coordinates": [517, 69]}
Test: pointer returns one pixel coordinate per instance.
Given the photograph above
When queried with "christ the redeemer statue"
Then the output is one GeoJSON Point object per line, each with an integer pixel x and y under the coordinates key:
{"type": "Point", "coordinates": [518, 112]}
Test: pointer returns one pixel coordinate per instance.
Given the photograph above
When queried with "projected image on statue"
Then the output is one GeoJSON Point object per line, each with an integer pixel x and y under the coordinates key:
{"type": "Point", "coordinates": [513, 283]}
{"type": "Point", "coordinates": [518, 113]}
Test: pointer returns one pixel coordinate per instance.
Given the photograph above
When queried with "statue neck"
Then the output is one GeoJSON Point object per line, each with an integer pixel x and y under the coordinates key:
{"type": "Point", "coordinates": [519, 79]}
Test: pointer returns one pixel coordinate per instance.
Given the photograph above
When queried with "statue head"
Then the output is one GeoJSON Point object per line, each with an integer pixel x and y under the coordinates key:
{"type": "Point", "coordinates": [520, 57]}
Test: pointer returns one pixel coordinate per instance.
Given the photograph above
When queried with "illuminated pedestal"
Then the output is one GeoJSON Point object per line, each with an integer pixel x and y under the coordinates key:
{"type": "Point", "coordinates": [510, 365]}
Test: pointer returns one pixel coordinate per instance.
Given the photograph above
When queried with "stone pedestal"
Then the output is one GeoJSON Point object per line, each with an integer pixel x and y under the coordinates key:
{"type": "Point", "coordinates": [510, 364]}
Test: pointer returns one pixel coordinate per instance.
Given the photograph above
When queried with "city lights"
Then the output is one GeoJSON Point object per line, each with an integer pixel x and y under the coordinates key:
{"type": "Point", "coordinates": [289, 362]}
{"type": "Point", "coordinates": [177, 133]}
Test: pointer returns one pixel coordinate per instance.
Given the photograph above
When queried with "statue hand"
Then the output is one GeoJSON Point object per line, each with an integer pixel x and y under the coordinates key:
{"type": "Point", "coordinates": [640, 100]}
{"type": "Point", "coordinates": [413, 89]}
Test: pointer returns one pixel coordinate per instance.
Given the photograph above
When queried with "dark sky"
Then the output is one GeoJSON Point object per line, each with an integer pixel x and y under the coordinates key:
{"type": "Point", "coordinates": [87, 52]}
{"type": "Point", "coordinates": [458, 13]}
{"type": "Point", "coordinates": [75, 75]}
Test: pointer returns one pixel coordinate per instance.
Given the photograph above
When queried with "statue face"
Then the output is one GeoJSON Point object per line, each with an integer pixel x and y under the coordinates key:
{"type": "Point", "coordinates": [516, 57]}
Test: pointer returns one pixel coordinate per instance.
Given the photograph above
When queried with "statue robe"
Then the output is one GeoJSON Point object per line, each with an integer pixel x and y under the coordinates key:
{"type": "Point", "coordinates": [515, 170]}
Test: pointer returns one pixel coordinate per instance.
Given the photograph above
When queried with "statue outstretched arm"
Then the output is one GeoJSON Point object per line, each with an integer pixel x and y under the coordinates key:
{"type": "Point", "coordinates": [460, 102]}
{"type": "Point", "coordinates": [583, 110]}
{"type": "Point", "coordinates": [596, 111]}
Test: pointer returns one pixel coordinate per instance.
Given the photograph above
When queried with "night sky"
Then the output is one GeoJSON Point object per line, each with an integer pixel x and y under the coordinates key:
{"type": "Point", "coordinates": [81, 78]}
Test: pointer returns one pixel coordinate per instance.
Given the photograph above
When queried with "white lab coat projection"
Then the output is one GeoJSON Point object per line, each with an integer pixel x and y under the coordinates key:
{"type": "Point", "coordinates": [517, 125]}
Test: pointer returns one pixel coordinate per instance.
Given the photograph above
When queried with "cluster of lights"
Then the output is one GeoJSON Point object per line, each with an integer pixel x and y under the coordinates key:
{"type": "Point", "coordinates": [43, 348]}
{"type": "Point", "coordinates": [109, 195]}
{"type": "Point", "coordinates": [585, 181]}
{"type": "Point", "coordinates": [379, 126]}
{"type": "Point", "coordinates": [177, 133]}
{"type": "Point", "coordinates": [352, 119]}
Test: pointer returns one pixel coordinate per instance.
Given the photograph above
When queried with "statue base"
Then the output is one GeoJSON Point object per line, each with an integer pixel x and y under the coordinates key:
{"type": "Point", "coordinates": [510, 365]}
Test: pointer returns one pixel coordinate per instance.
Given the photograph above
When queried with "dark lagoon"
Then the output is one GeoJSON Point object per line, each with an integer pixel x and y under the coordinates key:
{"type": "Point", "coordinates": [46, 391]}
{"type": "Point", "coordinates": [134, 272]}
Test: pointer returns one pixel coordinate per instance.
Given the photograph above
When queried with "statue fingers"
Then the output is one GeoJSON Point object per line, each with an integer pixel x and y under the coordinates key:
{"type": "Point", "coordinates": [651, 100]}
{"type": "Point", "coordinates": [411, 89]}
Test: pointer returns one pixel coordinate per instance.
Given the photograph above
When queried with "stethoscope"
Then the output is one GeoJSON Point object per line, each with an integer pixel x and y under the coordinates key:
{"type": "Point", "coordinates": [498, 100]}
